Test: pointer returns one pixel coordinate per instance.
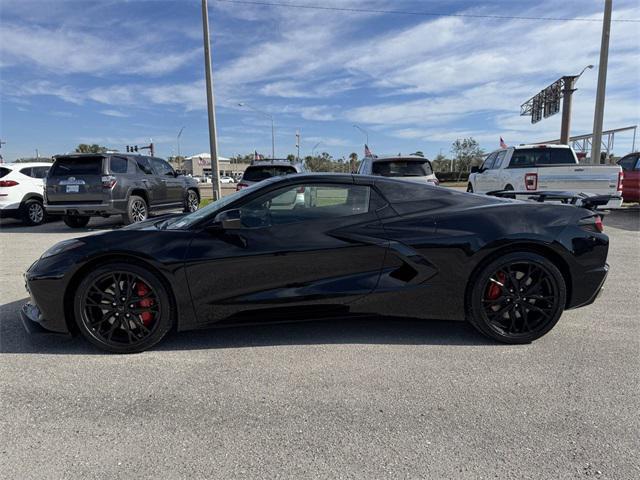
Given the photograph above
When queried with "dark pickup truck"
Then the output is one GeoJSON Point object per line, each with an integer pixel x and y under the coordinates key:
{"type": "Point", "coordinates": [81, 186]}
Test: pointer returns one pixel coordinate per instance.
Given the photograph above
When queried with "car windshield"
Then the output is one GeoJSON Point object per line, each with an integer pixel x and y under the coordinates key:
{"type": "Point", "coordinates": [402, 168]}
{"type": "Point", "coordinates": [187, 221]}
{"type": "Point", "coordinates": [262, 172]}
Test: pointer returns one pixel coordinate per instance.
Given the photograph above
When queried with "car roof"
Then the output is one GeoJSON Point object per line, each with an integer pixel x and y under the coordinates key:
{"type": "Point", "coordinates": [399, 157]}
{"type": "Point", "coordinates": [19, 166]}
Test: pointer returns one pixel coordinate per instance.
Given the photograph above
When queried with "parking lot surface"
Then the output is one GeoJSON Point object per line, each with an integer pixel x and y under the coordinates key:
{"type": "Point", "coordinates": [376, 398]}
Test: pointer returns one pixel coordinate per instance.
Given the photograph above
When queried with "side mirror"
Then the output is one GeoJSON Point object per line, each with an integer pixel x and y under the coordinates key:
{"type": "Point", "coordinates": [475, 169]}
{"type": "Point", "coordinates": [228, 220]}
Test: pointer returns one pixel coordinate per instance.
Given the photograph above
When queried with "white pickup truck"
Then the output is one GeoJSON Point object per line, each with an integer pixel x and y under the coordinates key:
{"type": "Point", "coordinates": [538, 168]}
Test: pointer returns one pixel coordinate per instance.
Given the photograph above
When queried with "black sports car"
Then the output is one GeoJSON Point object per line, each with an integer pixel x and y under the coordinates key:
{"type": "Point", "coordinates": [324, 246]}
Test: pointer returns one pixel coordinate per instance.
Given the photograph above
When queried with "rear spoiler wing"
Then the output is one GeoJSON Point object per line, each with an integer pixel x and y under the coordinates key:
{"type": "Point", "coordinates": [590, 202]}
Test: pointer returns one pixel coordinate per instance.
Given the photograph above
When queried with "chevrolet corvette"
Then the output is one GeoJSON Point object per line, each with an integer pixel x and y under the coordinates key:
{"type": "Point", "coordinates": [330, 246]}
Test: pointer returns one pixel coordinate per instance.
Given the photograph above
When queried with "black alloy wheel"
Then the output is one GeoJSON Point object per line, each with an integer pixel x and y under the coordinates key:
{"type": "Point", "coordinates": [122, 308]}
{"type": "Point", "coordinates": [192, 202]}
{"type": "Point", "coordinates": [33, 212]}
{"type": "Point", "coordinates": [517, 298]}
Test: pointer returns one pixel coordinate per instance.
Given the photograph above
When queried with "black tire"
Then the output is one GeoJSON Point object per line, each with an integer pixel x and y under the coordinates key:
{"type": "Point", "coordinates": [76, 221]}
{"type": "Point", "coordinates": [509, 188]}
{"type": "Point", "coordinates": [122, 328]}
{"type": "Point", "coordinates": [470, 188]}
{"type": "Point", "coordinates": [191, 201]}
{"type": "Point", "coordinates": [33, 213]}
{"type": "Point", "coordinates": [504, 305]}
{"type": "Point", "coordinates": [137, 210]}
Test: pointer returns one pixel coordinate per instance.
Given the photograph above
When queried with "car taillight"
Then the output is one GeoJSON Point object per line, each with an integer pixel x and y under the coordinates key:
{"type": "Point", "coordinates": [592, 224]}
{"type": "Point", "coordinates": [240, 186]}
{"type": "Point", "coordinates": [531, 181]}
{"type": "Point", "coordinates": [109, 181]}
{"type": "Point", "coordinates": [8, 183]}
{"type": "Point", "coordinates": [620, 180]}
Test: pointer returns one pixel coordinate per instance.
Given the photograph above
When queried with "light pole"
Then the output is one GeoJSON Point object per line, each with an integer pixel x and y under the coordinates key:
{"type": "Point", "coordinates": [569, 83]}
{"type": "Point", "coordinates": [314, 149]}
{"type": "Point", "coordinates": [213, 140]}
{"type": "Point", "coordinates": [602, 83]}
{"type": "Point", "coordinates": [273, 135]}
{"type": "Point", "coordinates": [178, 138]}
{"type": "Point", "coordinates": [363, 131]}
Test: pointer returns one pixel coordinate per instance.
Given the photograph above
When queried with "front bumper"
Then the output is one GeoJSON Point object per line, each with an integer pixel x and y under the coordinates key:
{"type": "Point", "coordinates": [32, 321]}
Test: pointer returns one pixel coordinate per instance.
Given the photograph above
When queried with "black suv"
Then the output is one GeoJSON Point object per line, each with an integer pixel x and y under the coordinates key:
{"type": "Point", "coordinates": [80, 186]}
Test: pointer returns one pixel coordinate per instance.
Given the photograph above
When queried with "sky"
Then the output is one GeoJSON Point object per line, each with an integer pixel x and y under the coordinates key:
{"type": "Point", "coordinates": [119, 73]}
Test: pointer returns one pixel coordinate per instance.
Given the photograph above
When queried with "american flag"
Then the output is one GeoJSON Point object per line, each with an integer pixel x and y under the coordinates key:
{"type": "Point", "coordinates": [502, 144]}
{"type": "Point", "coordinates": [257, 156]}
{"type": "Point", "coordinates": [367, 152]}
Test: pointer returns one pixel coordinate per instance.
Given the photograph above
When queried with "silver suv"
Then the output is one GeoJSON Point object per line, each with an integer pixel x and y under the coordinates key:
{"type": "Point", "coordinates": [81, 186]}
{"type": "Point", "coordinates": [263, 169]}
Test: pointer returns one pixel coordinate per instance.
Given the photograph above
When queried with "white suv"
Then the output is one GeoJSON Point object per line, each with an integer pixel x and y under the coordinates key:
{"type": "Point", "coordinates": [409, 168]}
{"type": "Point", "coordinates": [21, 190]}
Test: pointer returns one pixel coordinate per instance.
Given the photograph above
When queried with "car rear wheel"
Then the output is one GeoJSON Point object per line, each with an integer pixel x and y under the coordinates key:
{"type": "Point", "coordinates": [33, 212]}
{"type": "Point", "coordinates": [76, 221]}
{"type": "Point", "coordinates": [122, 308]}
{"type": "Point", "coordinates": [192, 202]}
{"type": "Point", "coordinates": [137, 210]}
{"type": "Point", "coordinates": [517, 298]}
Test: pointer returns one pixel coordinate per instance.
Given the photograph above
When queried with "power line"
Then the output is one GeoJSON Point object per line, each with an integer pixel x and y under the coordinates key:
{"type": "Point", "coordinates": [420, 14]}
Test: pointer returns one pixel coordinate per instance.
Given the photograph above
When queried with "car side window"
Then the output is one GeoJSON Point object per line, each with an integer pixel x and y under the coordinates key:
{"type": "Point", "coordinates": [162, 168]}
{"type": "Point", "coordinates": [499, 158]}
{"type": "Point", "coordinates": [522, 158]}
{"type": "Point", "coordinates": [27, 172]}
{"type": "Point", "coordinates": [301, 203]}
{"type": "Point", "coordinates": [118, 165]}
{"type": "Point", "coordinates": [628, 163]}
{"type": "Point", "coordinates": [637, 167]}
{"type": "Point", "coordinates": [144, 165]}
{"type": "Point", "coordinates": [488, 163]}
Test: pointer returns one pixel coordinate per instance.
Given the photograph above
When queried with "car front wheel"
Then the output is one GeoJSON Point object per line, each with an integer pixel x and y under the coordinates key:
{"type": "Point", "coordinates": [122, 308]}
{"type": "Point", "coordinates": [470, 188]}
{"type": "Point", "coordinates": [517, 298]}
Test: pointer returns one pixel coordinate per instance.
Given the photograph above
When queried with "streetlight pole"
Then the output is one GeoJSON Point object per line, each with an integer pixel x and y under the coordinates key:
{"type": "Point", "coordinates": [363, 131]}
{"type": "Point", "coordinates": [596, 140]}
{"type": "Point", "coordinates": [178, 138]}
{"type": "Point", "coordinates": [213, 141]}
{"type": "Point", "coordinates": [314, 149]}
{"type": "Point", "coordinates": [273, 131]}
{"type": "Point", "coordinates": [569, 83]}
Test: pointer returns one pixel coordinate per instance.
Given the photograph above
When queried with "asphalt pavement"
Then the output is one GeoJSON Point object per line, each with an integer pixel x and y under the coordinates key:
{"type": "Point", "coordinates": [361, 399]}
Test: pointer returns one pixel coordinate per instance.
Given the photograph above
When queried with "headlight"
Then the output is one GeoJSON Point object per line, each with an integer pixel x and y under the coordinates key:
{"type": "Point", "coordinates": [61, 247]}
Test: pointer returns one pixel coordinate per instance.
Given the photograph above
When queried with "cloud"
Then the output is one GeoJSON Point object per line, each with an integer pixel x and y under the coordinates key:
{"type": "Point", "coordinates": [114, 113]}
{"type": "Point", "coordinates": [72, 51]}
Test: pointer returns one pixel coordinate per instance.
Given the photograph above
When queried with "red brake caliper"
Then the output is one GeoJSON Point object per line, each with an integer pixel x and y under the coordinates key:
{"type": "Point", "coordinates": [142, 290]}
{"type": "Point", "coordinates": [494, 289]}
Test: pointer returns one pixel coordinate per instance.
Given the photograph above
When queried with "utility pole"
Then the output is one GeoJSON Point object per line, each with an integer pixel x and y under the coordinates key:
{"type": "Point", "coordinates": [213, 142]}
{"type": "Point", "coordinates": [298, 144]}
{"type": "Point", "coordinates": [596, 140]}
{"type": "Point", "coordinates": [178, 137]}
{"type": "Point", "coordinates": [4, 143]}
